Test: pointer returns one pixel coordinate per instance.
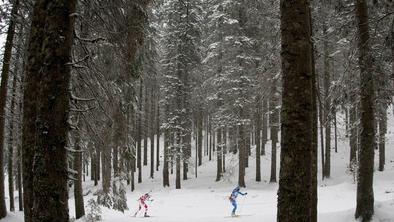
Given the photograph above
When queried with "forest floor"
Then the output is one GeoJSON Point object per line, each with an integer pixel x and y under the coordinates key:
{"type": "Point", "coordinates": [204, 200]}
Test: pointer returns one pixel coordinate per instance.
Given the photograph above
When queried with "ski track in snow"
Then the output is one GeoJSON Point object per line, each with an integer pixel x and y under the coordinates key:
{"type": "Point", "coordinates": [203, 200]}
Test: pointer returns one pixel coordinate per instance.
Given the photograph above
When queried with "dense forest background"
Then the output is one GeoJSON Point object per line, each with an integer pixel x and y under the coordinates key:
{"type": "Point", "coordinates": [104, 90]}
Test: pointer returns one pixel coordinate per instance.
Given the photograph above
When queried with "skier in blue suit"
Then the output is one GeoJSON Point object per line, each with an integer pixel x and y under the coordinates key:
{"type": "Point", "coordinates": [233, 199]}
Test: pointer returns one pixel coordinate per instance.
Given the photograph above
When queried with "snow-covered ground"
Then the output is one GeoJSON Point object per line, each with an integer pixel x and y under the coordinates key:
{"type": "Point", "coordinates": [204, 200]}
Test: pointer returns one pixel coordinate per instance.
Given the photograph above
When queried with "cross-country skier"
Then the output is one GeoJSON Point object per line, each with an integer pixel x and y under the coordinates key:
{"type": "Point", "coordinates": [142, 203]}
{"type": "Point", "coordinates": [233, 199]}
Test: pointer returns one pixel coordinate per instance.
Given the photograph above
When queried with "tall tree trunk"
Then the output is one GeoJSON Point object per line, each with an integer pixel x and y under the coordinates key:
{"type": "Point", "coordinates": [247, 145]}
{"type": "Point", "coordinates": [115, 158]}
{"type": "Point", "coordinates": [98, 166]}
{"type": "Point", "coordinates": [327, 105]}
{"type": "Point", "coordinates": [258, 140]}
{"type": "Point", "coordinates": [178, 160]}
{"type": "Point", "coordinates": [19, 179]}
{"type": "Point", "coordinates": [139, 135]}
{"type": "Point", "coordinates": [365, 195]}
{"type": "Point", "coordinates": [92, 166]}
{"type": "Point", "coordinates": [78, 192]}
{"type": "Point", "coordinates": [264, 137]}
{"type": "Point", "coordinates": [146, 125]}
{"type": "Point", "coordinates": [199, 136]}
{"type": "Point", "coordinates": [241, 155]}
{"type": "Point", "coordinates": [353, 136]}
{"type": "Point", "coordinates": [10, 167]}
{"type": "Point", "coordinates": [166, 180]}
{"type": "Point", "coordinates": [13, 113]}
{"type": "Point", "coordinates": [295, 183]}
{"type": "Point", "coordinates": [206, 136]}
{"type": "Point", "coordinates": [315, 137]}
{"type": "Point", "coordinates": [224, 149]}
{"type": "Point", "coordinates": [210, 139]}
{"type": "Point", "coordinates": [158, 131]}
{"type": "Point", "coordinates": [334, 114]}
{"type": "Point", "coordinates": [321, 120]}
{"type": "Point", "coordinates": [3, 96]}
{"type": "Point", "coordinates": [219, 155]}
{"type": "Point", "coordinates": [152, 136]}
{"type": "Point", "coordinates": [274, 121]}
{"type": "Point", "coordinates": [382, 137]}
{"type": "Point", "coordinates": [46, 107]}
{"type": "Point", "coordinates": [106, 162]}
{"type": "Point", "coordinates": [187, 143]}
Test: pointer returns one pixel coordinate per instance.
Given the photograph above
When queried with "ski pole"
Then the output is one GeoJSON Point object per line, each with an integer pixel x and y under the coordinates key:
{"type": "Point", "coordinates": [242, 204]}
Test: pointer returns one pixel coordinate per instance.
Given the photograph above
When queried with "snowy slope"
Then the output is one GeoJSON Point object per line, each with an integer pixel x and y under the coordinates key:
{"type": "Point", "coordinates": [204, 200]}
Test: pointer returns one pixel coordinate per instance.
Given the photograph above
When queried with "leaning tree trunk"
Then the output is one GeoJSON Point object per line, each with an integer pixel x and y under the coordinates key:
{"type": "Point", "coordinates": [365, 195]}
{"type": "Point", "coordinates": [46, 107]}
{"type": "Point", "coordinates": [297, 122]}
{"type": "Point", "coordinates": [3, 96]}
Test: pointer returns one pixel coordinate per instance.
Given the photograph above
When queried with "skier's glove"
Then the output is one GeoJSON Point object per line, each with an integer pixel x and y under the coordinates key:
{"type": "Point", "coordinates": [246, 193]}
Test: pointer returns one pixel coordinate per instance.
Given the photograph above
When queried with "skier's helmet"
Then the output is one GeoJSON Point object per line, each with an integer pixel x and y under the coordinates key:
{"type": "Point", "coordinates": [237, 188]}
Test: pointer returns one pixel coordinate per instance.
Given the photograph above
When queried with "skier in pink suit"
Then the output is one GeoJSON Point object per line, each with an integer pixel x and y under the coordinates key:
{"type": "Point", "coordinates": [142, 203]}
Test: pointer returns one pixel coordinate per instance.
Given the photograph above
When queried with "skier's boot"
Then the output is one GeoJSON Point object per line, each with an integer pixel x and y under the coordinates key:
{"type": "Point", "coordinates": [146, 215]}
{"type": "Point", "coordinates": [233, 214]}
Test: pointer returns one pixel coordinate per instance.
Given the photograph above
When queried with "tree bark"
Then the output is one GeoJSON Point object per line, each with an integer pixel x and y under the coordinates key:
{"type": "Point", "coordinates": [295, 184]}
{"type": "Point", "coordinates": [46, 107]}
{"type": "Point", "coordinates": [365, 195]}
